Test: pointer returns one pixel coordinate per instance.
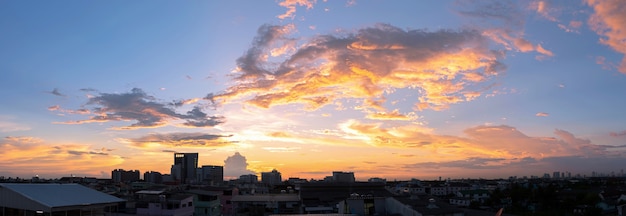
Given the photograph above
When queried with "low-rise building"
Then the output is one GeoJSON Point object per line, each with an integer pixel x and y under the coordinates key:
{"type": "Point", "coordinates": [55, 199]}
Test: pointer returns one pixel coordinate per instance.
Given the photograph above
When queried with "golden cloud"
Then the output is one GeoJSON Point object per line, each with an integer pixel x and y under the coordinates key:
{"type": "Point", "coordinates": [33, 154]}
{"type": "Point", "coordinates": [441, 66]}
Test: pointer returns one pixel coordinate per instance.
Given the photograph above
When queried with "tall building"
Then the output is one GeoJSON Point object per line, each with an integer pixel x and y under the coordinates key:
{"type": "Point", "coordinates": [339, 176]}
{"type": "Point", "coordinates": [271, 178]}
{"type": "Point", "coordinates": [213, 175]}
{"type": "Point", "coordinates": [184, 168]}
{"type": "Point", "coordinates": [120, 175]}
{"type": "Point", "coordinates": [556, 175]}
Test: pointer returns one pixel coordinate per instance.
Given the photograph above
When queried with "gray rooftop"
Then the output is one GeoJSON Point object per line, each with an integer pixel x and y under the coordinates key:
{"type": "Point", "coordinates": [59, 195]}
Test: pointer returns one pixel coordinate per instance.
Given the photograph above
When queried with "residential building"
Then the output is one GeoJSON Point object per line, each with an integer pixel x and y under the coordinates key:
{"type": "Point", "coordinates": [264, 204]}
{"type": "Point", "coordinates": [212, 175]}
{"type": "Point", "coordinates": [153, 177]}
{"type": "Point", "coordinates": [120, 175]}
{"type": "Point", "coordinates": [339, 176]}
{"type": "Point", "coordinates": [249, 178]}
{"type": "Point", "coordinates": [271, 178]}
{"type": "Point", "coordinates": [160, 203]}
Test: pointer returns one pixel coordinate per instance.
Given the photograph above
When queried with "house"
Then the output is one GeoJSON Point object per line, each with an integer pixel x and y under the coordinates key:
{"type": "Point", "coordinates": [163, 203]}
{"type": "Point", "coordinates": [54, 199]}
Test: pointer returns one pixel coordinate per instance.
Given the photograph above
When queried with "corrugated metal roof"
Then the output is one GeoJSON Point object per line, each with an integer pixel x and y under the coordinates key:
{"type": "Point", "coordinates": [59, 195]}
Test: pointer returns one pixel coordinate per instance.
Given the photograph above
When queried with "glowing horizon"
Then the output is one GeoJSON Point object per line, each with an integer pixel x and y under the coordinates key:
{"type": "Point", "coordinates": [455, 89]}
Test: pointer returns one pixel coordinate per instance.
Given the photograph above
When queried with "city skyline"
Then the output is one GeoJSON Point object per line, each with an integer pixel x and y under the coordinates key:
{"type": "Point", "coordinates": [458, 89]}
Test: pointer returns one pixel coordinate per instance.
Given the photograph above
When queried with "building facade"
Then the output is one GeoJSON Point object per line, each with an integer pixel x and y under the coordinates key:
{"type": "Point", "coordinates": [271, 178]}
{"type": "Point", "coordinates": [184, 168]}
{"type": "Point", "coordinates": [120, 175]}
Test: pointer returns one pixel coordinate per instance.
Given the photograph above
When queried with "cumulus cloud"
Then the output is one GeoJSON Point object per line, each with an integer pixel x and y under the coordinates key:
{"type": "Point", "coordinates": [235, 166]}
{"type": "Point", "coordinates": [609, 21]}
{"type": "Point", "coordinates": [441, 66]}
{"type": "Point", "coordinates": [291, 6]}
{"type": "Point", "coordinates": [180, 140]}
{"type": "Point", "coordinates": [22, 153]}
{"type": "Point", "coordinates": [142, 108]}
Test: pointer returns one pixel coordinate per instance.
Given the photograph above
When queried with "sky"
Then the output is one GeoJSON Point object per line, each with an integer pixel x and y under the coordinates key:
{"type": "Point", "coordinates": [389, 89]}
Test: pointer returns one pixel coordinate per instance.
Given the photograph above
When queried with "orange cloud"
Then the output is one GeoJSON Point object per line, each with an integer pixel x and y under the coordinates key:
{"type": "Point", "coordinates": [609, 22]}
{"type": "Point", "coordinates": [441, 66]}
{"type": "Point", "coordinates": [31, 154]}
{"type": "Point", "coordinates": [291, 7]}
{"type": "Point", "coordinates": [393, 115]}
{"type": "Point", "coordinates": [542, 114]}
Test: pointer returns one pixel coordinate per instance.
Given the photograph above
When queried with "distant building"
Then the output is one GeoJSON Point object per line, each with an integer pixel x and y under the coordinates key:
{"type": "Point", "coordinates": [271, 178]}
{"type": "Point", "coordinates": [55, 199]}
{"type": "Point", "coordinates": [153, 177]}
{"type": "Point", "coordinates": [249, 178]}
{"type": "Point", "coordinates": [339, 176]}
{"type": "Point", "coordinates": [184, 168]}
{"type": "Point", "coordinates": [213, 175]}
{"type": "Point", "coordinates": [556, 175]}
{"type": "Point", "coordinates": [120, 175]}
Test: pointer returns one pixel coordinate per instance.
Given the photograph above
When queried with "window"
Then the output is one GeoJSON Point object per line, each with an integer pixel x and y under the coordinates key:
{"type": "Point", "coordinates": [190, 204]}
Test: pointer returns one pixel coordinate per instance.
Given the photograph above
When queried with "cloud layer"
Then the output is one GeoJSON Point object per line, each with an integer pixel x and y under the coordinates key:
{"type": "Point", "coordinates": [443, 67]}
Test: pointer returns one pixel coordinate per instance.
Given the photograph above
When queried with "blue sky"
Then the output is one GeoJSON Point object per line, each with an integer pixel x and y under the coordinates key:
{"type": "Point", "coordinates": [403, 89]}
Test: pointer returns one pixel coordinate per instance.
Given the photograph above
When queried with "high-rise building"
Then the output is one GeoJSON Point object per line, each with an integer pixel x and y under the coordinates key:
{"type": "Point", "coordinates": [213, 175]}
{"type": "Point", "coordinates": [271, 178]}
{"type": "Point", "coordinates": [556, 175]}
{"type": "Point", "coordinates": [120, 175]}
{"type": "Point", "coordinates": [184, 168]}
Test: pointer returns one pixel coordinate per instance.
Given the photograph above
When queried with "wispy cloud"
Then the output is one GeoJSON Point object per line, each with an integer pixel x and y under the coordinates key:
{"type": "Point", "coordinates": [542, 114]}
{"type": "Point", "coordinates": [142, 108]}
{"type": "Point", "coordinates": [8, 124]}
{"type": "Point", "coordinates": [617, 134]}
{"type": "Point", "coordinates": [180, 140]}
{"type": "Point", "coordinates": [503, 22]}
{"type": "Point", "coordinates": [56, 92]}
{"type": "Point", "coordinates": [291, 6]}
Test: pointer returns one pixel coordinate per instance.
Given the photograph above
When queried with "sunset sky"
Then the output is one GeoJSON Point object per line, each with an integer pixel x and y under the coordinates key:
{"type": "Point", "coordinates": [390, 89]}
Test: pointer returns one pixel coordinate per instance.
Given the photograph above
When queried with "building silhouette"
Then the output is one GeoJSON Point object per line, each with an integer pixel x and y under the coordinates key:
{"type": "Point", "coordinates": [213, 175]}
{"type": "Point", "coordinates": [271, 178]}
{"type": "Point", "coordinates": [184, 168]}
{"type": "Point", "coordinates": [120, 175]}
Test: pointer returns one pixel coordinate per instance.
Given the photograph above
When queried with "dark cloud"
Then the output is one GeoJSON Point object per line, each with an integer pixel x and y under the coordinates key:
{"type": "Point", "coordinates": [73, 152]}
{"type": "Point", "coordinates": [236, 165]}
{"type": "Point", "coordinates": [182, 139]}
{"type": "Point", "coordinates": [144, 109]}
{"type": "Point", "coordinates": [88, 89]}
{"type": "Point", "coordinates": [56, 92]}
